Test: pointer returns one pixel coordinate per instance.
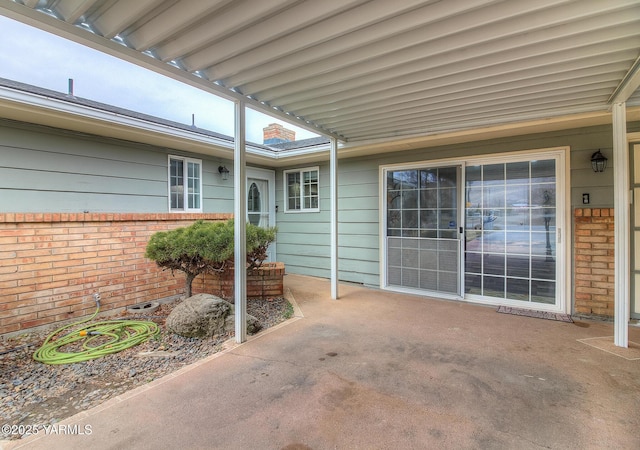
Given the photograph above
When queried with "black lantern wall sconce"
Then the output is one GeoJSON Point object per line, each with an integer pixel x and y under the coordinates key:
{"type": "Point", "coordinates": [598, 162]}
{"type": "Point", "coordinates": [224, 172]}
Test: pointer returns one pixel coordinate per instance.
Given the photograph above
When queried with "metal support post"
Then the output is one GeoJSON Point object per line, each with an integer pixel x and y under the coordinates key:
{"type": "Point", "coordinates": [333, 167]}
{"type": "Point", "coordinates": [240, 224]}
{"type": "Point", "coordinates": [621, 203]}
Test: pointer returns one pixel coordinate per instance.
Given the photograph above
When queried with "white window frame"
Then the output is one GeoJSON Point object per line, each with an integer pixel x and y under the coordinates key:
{"type": "Point", "coordinates": [185, 174]}
{"type": "Point", "coordinates": [300, 171]}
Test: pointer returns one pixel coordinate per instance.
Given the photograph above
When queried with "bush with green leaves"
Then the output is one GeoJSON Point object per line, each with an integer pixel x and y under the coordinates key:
{"type": "Point", "coordinates": [206, 247]}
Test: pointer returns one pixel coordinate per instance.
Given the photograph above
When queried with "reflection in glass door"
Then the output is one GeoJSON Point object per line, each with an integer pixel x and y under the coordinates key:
{"type": "Point", "coordinates": [422, 236]}
{"type": "Point", "coordinates": [511, 235]}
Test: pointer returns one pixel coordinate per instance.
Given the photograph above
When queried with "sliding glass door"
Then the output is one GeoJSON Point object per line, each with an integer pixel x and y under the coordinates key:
{"type": "Point", "coordinates": [422, 233]}
{"type": "Point", "coordinates": [486, 230]}
{"type": "Point", "coordinates": [511, 235]}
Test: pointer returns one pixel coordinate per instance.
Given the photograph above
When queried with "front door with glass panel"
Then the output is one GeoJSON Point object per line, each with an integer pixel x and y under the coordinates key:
{"type": "Point", "coordinates": [261, 201]}
{"type": "Point", "coordinates": [422, 233]}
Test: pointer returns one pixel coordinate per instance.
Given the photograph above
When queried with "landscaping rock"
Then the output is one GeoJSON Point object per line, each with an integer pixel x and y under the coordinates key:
{"type": "Point", "coordinates": [199, 316]}
{"type": "Point", "coordinates": [205, 315]}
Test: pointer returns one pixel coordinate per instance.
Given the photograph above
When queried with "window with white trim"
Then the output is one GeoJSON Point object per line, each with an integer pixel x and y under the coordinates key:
{"type": "Point", "coordinates": [185, 184]}
{"type": "Point", "coordinates": [302, 190]}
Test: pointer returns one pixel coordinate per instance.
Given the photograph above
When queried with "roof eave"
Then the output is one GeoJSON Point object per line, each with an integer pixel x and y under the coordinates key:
{"type": "Point", "coordinates": [55, 112]}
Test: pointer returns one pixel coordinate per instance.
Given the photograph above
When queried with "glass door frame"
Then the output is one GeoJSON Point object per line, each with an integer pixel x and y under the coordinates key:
{"type": "Point", "coordinates": [384, 282]}
{"type": "Point", "coordinates": [634, 276]}
{"type": "Point", "coordinates": [563, 219]}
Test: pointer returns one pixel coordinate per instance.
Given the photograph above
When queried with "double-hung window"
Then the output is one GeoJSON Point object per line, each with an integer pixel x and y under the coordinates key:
{"type": "Point", "coordinates": [302, 190]}
{"type": "Point", "coordinates": [185, 184]}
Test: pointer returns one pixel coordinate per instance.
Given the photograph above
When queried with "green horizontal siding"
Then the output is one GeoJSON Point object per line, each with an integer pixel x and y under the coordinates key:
{"type": "Point", "coordinates": [303, 250]}
{"type": "Point", "coordinates": [364, 267]}
{"type": "Point", "coordinates": [347, 252]}
{"type": "Point", "coordinates": [358, 215]}
{"type": "Point", "coordinates": [362, 191]}
{"type": "Point", "coordinates": [64, 163]}
{"type": "Point", "coordinates": [55, 201]}
{"type": "Point", "coordinates": [348, 241]}
{"type": "Point", "coordinates": [298, 261]}
{"type": "Point", "coordinates": [304, 238]}
{"type": "Point", "coordinates": [48, 170]}
{"type": "Point", "coordinates": [40, 180]}
{"type": "Point", "coordinates": [357, 241]}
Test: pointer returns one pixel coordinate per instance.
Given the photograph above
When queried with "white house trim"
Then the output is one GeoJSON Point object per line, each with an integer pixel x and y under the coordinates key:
{"type": "Point", "coordinates": [333, 167]}
{"type": "Point", "coordinates": [621, 202]}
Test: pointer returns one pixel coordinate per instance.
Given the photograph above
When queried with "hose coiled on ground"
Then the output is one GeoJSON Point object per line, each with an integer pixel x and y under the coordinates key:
{"type": "Point", "coordinates": [99, 339]}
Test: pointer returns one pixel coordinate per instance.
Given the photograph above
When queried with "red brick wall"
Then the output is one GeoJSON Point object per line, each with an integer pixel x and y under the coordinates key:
{"type": "Point", "coordinates": [51, 264]}
{"type": "Point", "coordinates": [265, 282]}
{"type": "Point", "coordinates": [594, 261]}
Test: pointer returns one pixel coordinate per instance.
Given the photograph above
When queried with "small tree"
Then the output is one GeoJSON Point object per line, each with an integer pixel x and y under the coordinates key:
{"type": "Point", "coordinates": [258, 241]}
{"type": "Point", "coordinates": [206, 247]}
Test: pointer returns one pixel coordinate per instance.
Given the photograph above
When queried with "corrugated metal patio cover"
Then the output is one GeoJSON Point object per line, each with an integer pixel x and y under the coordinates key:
{"type": "Point", "coordinates": [379, 69]}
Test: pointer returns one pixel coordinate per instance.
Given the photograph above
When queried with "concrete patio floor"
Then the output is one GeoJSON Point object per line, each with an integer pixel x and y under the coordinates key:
{"type": "Point", "coordinates": [380, 370]}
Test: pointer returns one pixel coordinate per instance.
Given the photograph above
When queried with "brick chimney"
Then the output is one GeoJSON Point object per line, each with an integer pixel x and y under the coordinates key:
{"type": "Point", "coordinates": [277, 134]}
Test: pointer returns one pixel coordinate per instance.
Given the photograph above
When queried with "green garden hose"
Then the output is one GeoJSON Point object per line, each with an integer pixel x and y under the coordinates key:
{"type": "Point", "coordinates": [98, 339]}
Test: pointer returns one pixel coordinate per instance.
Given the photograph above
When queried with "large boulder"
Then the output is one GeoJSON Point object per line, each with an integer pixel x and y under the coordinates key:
{"type": "Point", "coordinates": [204, 315]}
{"type": "Point", "coordinates": [253, 324]}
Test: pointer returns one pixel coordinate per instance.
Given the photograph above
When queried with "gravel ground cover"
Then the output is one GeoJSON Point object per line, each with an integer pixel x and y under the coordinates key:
{"type": "Point", "coordinates": [33, 394]}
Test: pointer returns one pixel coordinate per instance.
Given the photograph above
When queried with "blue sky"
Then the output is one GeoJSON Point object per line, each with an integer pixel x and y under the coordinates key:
{"type": "Point", "coordinates": [36, 57]}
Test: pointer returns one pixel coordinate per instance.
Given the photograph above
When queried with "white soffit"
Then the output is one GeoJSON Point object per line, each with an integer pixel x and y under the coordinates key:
{"type": "Point", "coordinates": [367, 71]}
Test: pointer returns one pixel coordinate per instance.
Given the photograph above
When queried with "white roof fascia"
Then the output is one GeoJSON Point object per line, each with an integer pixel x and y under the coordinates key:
{"type": "Point", "coordinates": [283, 154]}
{"type": "Point", "coordinates": [60, 106]}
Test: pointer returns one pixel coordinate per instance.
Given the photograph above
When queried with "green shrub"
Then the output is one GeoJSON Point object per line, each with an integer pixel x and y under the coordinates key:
{"type": "Point", "coordinates": [206, 247]}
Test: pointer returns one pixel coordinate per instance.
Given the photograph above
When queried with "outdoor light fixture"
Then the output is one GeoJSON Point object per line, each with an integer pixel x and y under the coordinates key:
{"type": "Point", "coordinates": [598, 162]}
{"type": "Point", "coordinates": [224, 172]}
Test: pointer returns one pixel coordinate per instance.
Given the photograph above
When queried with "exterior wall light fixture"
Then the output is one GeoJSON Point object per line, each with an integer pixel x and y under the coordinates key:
{"type": "Point", "coordinates": [222, 170]}
{"type": "Point", "coordinates": [598, 162]}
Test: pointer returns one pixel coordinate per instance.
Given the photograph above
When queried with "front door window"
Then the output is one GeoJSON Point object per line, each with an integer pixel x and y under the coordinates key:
{"type": "Point", "coordinates": [254, 204]}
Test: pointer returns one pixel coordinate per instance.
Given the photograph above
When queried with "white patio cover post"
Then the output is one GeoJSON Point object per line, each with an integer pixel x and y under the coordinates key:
{"type": "Point", "coordinates": [240, 225]}
{"type": "Point", "coordinates": [333, 168]}
{"type": "Point", "coordinates": [621, 203]}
